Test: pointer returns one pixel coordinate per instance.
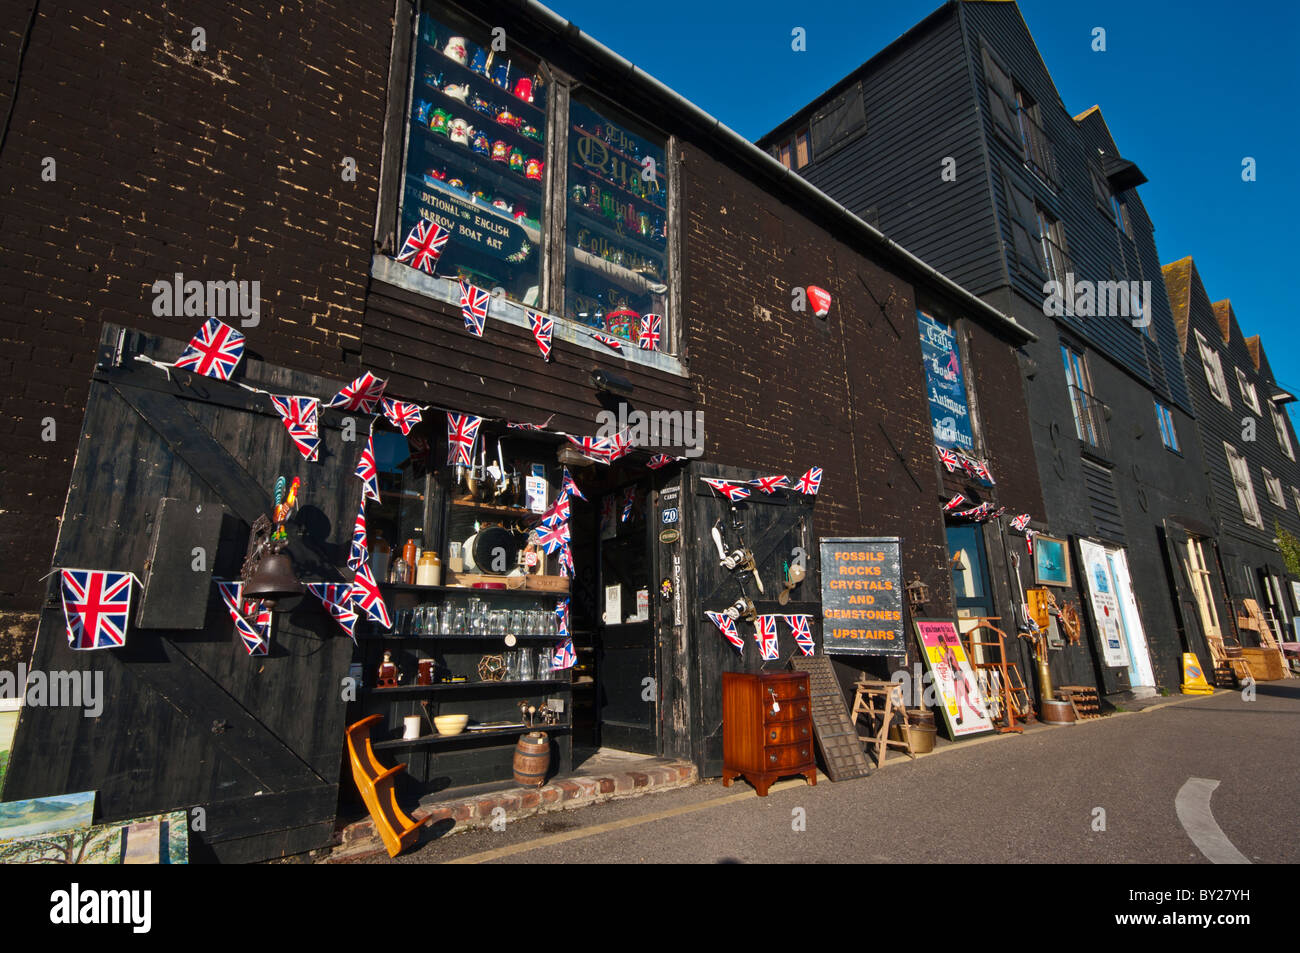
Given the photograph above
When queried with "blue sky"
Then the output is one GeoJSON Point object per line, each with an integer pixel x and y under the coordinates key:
{"type": "Point", "coordinates": [1188, 90]}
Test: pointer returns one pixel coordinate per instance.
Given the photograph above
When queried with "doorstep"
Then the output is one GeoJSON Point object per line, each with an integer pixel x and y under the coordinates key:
{"type": "Point", "coordinates": [604, 775]}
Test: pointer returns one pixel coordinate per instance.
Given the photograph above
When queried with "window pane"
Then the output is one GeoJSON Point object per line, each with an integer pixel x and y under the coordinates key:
{"type": "Point", "coordinates": [475, 154]}
{"type": "Point", "coordinates": [617, 231]}
{"type": "Point", "coordinates": [785, 154]}
{"type": "Point", "coordinates": [801, 150]}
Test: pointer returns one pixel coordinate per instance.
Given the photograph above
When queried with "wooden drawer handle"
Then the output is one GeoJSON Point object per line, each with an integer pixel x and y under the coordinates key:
{"type": "Point", "coordinates": [772, 736]}
{"type": "Point", "coordinates": [772, 758]}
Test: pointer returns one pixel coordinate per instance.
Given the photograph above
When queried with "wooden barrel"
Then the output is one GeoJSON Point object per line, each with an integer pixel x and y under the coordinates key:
{"type": "Point", "coordinates": [532, 758]}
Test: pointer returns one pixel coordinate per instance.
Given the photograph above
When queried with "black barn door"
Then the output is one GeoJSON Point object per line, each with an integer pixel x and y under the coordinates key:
{"type": "Point", "coordinates": [189, 719]}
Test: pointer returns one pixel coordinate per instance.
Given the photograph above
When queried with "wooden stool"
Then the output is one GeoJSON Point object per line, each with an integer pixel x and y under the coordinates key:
{"type": "Point", "coordinates": [890, 695]}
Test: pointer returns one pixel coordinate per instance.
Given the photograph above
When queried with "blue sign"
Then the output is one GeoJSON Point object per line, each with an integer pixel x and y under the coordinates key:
{"type": "Point", "coordinates": [944, 384]}
{"type": "Point", "coordinates": [670, 514]}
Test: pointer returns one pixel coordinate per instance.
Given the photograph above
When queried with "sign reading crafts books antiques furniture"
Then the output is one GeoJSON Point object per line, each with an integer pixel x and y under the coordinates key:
{"type": "Point", "coordinates": [955, 683]}
{"type": "Point", "coordinates": [949, 415]}
{"type": "Point", "coordinates": [862, 599]}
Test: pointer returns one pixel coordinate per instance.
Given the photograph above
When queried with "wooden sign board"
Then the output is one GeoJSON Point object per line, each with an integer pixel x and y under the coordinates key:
{"type": "Point", "coordinates": [862, 596]}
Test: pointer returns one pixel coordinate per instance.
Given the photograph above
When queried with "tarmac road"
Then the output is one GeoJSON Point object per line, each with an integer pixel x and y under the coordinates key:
{"type": "Point", "coordinates": [1007, 799]}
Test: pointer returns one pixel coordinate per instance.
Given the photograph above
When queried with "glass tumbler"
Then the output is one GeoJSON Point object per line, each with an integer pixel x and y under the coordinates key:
{"type": "Point", "coordinates": [544, 664]}
{"type": "Point", "coordinates": [403, 620]}
{"type": "Point", "coordinates": [430, 620]}
{"type": "Point", "coordinates": [458, 621]}
{"type": "Point", "coordinates": [444, 624]}
{"type": "Point", "coordinates": [526, 665]}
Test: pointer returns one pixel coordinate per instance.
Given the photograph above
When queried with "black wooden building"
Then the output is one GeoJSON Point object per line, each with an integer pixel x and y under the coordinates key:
{"type": "Point", "coordinates": [955, 140]}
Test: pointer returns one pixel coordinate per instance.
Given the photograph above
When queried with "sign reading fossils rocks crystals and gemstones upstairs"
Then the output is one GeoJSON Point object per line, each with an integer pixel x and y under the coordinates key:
{"type": "Point", "coordinates": [862, 598]}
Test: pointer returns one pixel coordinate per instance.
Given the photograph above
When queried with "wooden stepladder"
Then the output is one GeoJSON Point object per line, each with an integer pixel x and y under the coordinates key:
{"type": "Point", "coordinates": [998, 677]}
{"type": "Point", "coordinates": [890, 697]}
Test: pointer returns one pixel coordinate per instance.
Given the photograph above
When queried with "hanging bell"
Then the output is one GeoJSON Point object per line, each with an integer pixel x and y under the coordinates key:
{"type": "Point", "coordinates": [274, 582]}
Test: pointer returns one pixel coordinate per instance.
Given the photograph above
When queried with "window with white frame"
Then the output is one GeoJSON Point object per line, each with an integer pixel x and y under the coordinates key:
{"type": "Point", "coordinates": [1295, 496]}
{"type": "Point", "coordinates": [1245, 487]}
{"type": "Point", "coordinates": [1168, 436]}
{"type": "Point", "coordinates": [1248, 393]}
{"type": "Point", "coordinates": [1213, 371]}
{"type": "Point", "coordinates": [1279, 425]}
{"type": "Point", "coordinates": [1273, 486]}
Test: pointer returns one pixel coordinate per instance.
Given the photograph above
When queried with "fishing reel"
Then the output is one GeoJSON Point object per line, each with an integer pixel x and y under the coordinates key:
{"type": "Point", "coordinates": [739, 558]}
{"type": "Point", "coordinates": [742, 608]}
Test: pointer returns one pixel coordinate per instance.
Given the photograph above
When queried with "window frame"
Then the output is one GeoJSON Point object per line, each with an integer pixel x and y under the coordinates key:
{"type": "Point", "coordinates": [669, 357]}
{"type": "Point", "coordinates": [1168, 433]}
{"type": "Point", "coordinates": [1280, 430]}
{"type": "Point", "coordinates": [786, 151]}
{"type": "Point", "coordinates": [1241, 478]}
{"type": "Point", "coordinates": [1078, 381]}
{"type": "Point", "coordinates": [1212, 365]}
{"type": "Point", "coordinates": [1248, 392]}
{"type": "Point", "coordinates": [1273, 488]}
{"type": "Point", "coordinates": [1051, 235]}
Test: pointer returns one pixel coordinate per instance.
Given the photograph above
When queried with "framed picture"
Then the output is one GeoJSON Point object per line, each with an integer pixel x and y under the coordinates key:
{"type": "Point", "coordinates": [1051, 561]}
{"type": "Point", "coordinates": [956, 688]}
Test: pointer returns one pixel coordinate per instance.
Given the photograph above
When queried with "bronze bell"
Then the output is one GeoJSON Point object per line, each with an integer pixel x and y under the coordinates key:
{"type": "Point", "coordinates": [274, 581]}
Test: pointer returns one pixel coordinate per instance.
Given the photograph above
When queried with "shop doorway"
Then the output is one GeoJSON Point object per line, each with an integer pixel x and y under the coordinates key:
{"type": "Point", "coordinates": [627, 697]}
{"type": "Point", "coordinates": [1115, 612]}
{"type": "Point", "coordinates": [968, 563]}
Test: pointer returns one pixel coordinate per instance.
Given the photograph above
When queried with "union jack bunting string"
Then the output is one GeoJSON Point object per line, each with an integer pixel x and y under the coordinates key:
{"type": "Point", "coordinates": [560, 508]}
{"type": "Point", "coordinates": [542, 426]}
{"type": "Point", "coordinates": [474, 307]}
{"type": "Point", "coordinates": [997, 513]}
{"type": "Point", "coordinates": [424, 245]}
{"type": "Point", "coordinates": [552, 534]}
{"type": "Point", "coordinates": [765, 635]}
{"type": "Point", "coordinates": [568, 486]}
{"type": "Point", "coordinates": [614, 344]}
{"type": "Point", "coordinates": [955, 502]}
{"type": "Point", "coordinates": [337, 598]}
{"type": "Point", "coordinates": [401, 414]}
{"type": "Point", "coordinates": [727, 626]}
{"type": "Point", "coordinates": [597, 448]}
{"type": "Point", "coordinates": [564, 656]}
{"type": "Point", "coordinates": [542, 326]}
{"type": "Point", "coordinates": [254, 635]}
{"type": "Point", "coordinates": [213, 352]}
{"type": "Point", "coordinates": [359, 551]}
{"type": "Point", "coordinates": [96, 607]}
{"type": "Point", "coordinates": [361, 395]}
{"type": "Point", "coordinates": [978, 469]}
{"type": "Point", "coordinates": [301, 418]}
{"type": "Point", "coordinates": [648, 338]}
{"type": "Point", "coordinates": [662, 460]}
{"type": "Point", "coordinates": [771, 484]}
{"type": "Point", "coordinates": [949, 458]}
{"type": "Point", "coordinates": [731, 491]}
{"type": "Point", "coordinates": [1020, 522]}
{"type": "Point", "coordinates": [810, 482]}
{"type": "Point", "coordinates": [620, 445]}
{"type": "Point", "coordinates": [562, 618]}
{"type": "Point", "coordinates": [368, 472]}
{"type": "Point", "coordinates": [1029, 539]}
{"type": "Point", "coordinates": [366, 597]}
{"type": "Point", "coordinates": [566, 561]}
{"type": "Point", "coordinates": [462, 431]}
{"type": "Point", "coordinates": [629, 501]}
{"type": "Point", "coordinates": [800, 629]}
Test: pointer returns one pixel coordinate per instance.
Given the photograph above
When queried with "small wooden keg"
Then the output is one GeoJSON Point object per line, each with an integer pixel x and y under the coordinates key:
{"type": "Point", "coordinates": [532, 758]}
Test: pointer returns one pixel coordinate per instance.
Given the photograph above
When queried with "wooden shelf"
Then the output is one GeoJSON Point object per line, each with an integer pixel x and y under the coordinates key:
{"type": "Point", "coordinates": [597, 221]}
{"type": "Point", "coordinates": [465, 736]}
{"type": "Point", "coordinates": [463, 110]}
{"type": "Point", "coordinates": [630, 160]}
{"type": "Point", "coordinates": [497, 508]}
{"type": "Point", "coordinates": [477, 82]}
{"type": "Point", "coordinates": [498, 174]}
{"type": "Point", "coordinates": [406, 587]}
{"type": "Point", "coordinates": [478, 639]}
{"type": "Point", "coordinates": [461, 686]}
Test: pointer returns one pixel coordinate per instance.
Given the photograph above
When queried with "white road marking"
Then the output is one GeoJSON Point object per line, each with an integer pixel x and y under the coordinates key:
{"type": "Point", "coordinates": [1193, 807]}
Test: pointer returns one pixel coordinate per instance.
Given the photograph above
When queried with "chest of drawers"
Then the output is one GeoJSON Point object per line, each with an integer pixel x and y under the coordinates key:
{"type": "Point", "coordinates": [762, 744]}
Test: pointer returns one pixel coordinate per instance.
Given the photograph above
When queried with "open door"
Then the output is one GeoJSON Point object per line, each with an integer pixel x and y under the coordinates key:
{"type": "Point", "coordinates": [1202, 606]}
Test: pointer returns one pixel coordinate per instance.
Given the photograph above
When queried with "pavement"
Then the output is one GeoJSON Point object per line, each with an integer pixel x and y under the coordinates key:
{"type": "Point", "coordinates": [1185, 780]}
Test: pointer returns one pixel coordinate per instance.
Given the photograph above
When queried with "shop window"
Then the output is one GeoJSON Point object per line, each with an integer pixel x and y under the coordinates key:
{"type": "Point", "coordinates": [1279, 427]}
{"type": "Point", "coordinates": [1245, 486]}
{"type": "Point", "coordinates": [1248, 393]}
{"type": "Point", "coordinates": [617, 233]}
{"type": "Point", "coordinates": [1168, 436]}
{"type": "Point", "coordinates": [1213, 371]}
{"type": "Point", "coordinates": [1273, 486]}
{"type": "Point", "coordinates": [400, 513]}
{"type": "Point", "coordinates": [476, 154]}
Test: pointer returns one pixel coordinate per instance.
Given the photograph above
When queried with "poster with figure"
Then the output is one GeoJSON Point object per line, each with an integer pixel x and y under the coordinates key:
{"type": "Point", "coordinates": [955, 686]}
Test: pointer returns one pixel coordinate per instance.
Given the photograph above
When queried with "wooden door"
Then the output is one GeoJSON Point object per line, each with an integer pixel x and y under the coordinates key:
{"type": "Point", "coordinates": [190, 720]}
{"type": "Point", "coordinates": [1185, 597]}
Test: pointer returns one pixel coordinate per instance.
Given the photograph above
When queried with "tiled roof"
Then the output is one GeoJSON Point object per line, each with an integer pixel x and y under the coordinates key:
{"type": "Point", "coordinates": [1223, 314]}
{"type": "Point", "coordinates": [1178, 283]}
{"type": "Point", "coordinates": [1252, 345]}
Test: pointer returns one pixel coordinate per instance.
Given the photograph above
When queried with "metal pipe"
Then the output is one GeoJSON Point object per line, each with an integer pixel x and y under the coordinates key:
{"type": "Point", "coordinates": [766, 164]}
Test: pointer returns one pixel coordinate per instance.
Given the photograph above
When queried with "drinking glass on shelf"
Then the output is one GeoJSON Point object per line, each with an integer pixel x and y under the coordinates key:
{"type": "Point", "coordinates": [544, 664]}
{"type": "Point", "coordinates": [517, 624]}
{"type": "Point", "coordinates": [512, 666]}
{"type": "Point", "coordinates": [417, 620]}
{"type": "Point", "coordinates": [430, 620]}
{"type": "Point", "coordinates": [500, 621]}
{"type": "Point", "coordinates": [525, 665]}
{"type": "Point", "coordinates": [403, 620]}
{"type": "Point", "coordinates": [458, 621]}
{"type": "Point", "coordinates": [444, 624]}
{"type": "Point", "coordinates": [536, 619]}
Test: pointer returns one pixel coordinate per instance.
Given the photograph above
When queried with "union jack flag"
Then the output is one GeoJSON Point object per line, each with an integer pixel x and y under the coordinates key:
{"type": "Point", "coordinates": [366, 597]}
{"type": "Point", "coordinates": [360, 549]}
{"type": "Point", "coordinates": [462, 431]}
{"type": "Point", "coordinates": [597, 448]}
{"type": "Point", "coordinates": [474, 307]}
{"type": "Point", "coordinates": [1020, 522]}
{"type": "Point", "coordinates": [368, 472]}
{"type": "Point", "coordinates": [810, 481]}
{"type": "Point", "coordinates": [1029, 539]}
{"type": "Point", "coordinates": [765, 635]}
{"type": "Point", "coordinates": [361, 395]}
{"type": "Point", "coordinates": [564, 656]}
{"type": "Point", "coordinates": [560, 508]}
{"type": "Point", "coordinates": [978, 469]}
{"type": "Point", "coordinates": [562, 618]}
{"type": "Point", "coordinates": [799, 628]}
{"type": "Point", "coordinates": [662, 460]}
{"type": "Point", "coordinates": [955, 502]}
{"type": "Point", "coordinates": [731, 491]}
{"type": "Point", "coordinates": [569, 487]}
{"type": "Point", "coordinates": [542, 326]}
{"type": "Point", "coordinates": [727, 626]}
{"type": "Point", "coordinates": [401, 414]}
{"type": "Point", "coordinates": [771, 484]}
{"type": "Point", "coordinates": [252, 623]}
{"type": "Point", "coordinates": [213, 352]}
{"type": "Point", "coordinates": [301, 418]}
{"type": "Point", "coordinates": [566, 561]}
{"type": "Point", "coordinates": [614, 344]}
{"type": "Point", "coordinates": [997, 513]}
{"type": "Point", "coordinates": [977, 512]}
{"type": "Point", "coordinates": [949, 458]}
{"type": "Point", "coordinates": [337, 598]}
{"type": "Point", "coordinates": [552, 534]}
{"type": "Point", "coordinates": [96, 607]}
{"type": "Point", "coordinates": [423, 246]}
{"type": "Point", "coordinates": [648, 339]}
{"type": "Point", "coordinates": [629, 502]}
{"type": "Point", "coordinates": [620, 445]}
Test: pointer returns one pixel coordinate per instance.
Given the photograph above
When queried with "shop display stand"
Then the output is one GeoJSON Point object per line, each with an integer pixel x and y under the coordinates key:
{"type": "Point", "coordinates": [890, 695]}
